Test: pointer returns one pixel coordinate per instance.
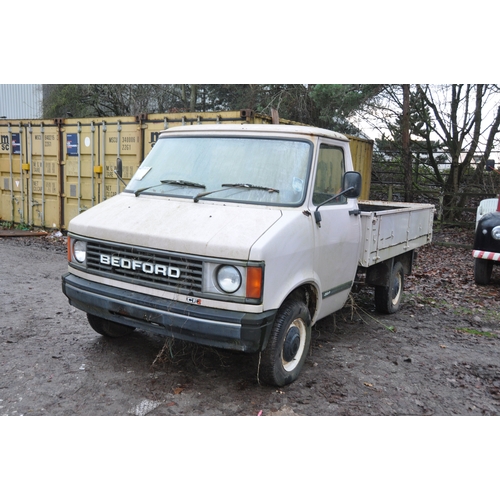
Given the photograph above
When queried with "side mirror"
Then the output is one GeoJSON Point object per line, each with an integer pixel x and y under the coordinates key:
{"type": "Point", "coordinates": [119, 167]}
{"type": "Point", "coordinates": [352, 184]}
{"type": "Point", "coordinates": [351, 189]}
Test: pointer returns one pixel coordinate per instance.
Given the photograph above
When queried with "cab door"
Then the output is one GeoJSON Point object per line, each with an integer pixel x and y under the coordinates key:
{"type": "Point", "coordinates": [337, 236]}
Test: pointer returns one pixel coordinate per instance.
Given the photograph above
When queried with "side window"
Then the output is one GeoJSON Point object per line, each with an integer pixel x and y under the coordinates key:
{"type": "Point", "coordinates": [329, 174]}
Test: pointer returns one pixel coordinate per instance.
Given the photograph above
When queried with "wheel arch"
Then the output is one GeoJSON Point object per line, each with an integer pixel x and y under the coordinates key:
{"type": "Point", "coordinates": [379, 274]}
{"type": "Point", "coordinates": [307, 293]}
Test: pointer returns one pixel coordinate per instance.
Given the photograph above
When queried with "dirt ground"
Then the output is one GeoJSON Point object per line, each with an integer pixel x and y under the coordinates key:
{"type": "Point", "coordinates": [439, 355]}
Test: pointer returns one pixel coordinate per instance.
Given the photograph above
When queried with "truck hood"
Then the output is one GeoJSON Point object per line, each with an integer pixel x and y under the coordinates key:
{"type": "Point", "coordinates": [177, 225]}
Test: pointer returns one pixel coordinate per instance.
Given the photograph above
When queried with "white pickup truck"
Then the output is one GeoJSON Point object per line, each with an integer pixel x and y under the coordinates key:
{"type": "Point", "coordinates": [240, 237]}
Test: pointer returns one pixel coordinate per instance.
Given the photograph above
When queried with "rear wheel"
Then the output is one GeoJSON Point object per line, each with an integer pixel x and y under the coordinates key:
{"type": "Point", "coordinates": [482, 271]}
{"type": "Point", "coordinates": [388, 298]}
{"type": "Point", "coordinates": [108, 328]}
{"type": "Point", "coordinates": [283, 358]}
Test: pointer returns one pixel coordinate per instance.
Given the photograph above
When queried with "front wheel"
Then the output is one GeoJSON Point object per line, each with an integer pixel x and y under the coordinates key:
{"type": "Point", "coordinates": [388, 298]}
{"type": "Point", "coordinates": [482, 271]}
{"type": "Point", "coordinates": [108, 328]}
{"type": "Point", "coordinates": [283, 358]}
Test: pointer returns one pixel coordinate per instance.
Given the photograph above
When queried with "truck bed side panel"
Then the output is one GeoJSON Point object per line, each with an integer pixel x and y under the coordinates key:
{"type": "Point", "coordinates": [392, 229]}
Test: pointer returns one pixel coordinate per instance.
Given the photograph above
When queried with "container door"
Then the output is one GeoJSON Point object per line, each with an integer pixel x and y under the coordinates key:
{"type": "Point", "coordinates": [12, 206]}
{"type": "Point", "coordinates": [30, 174]}
{"type": "Point", "coordinates": [119, 139]}
{"type": "Point", "coordinates": [91, 151]}
{"type": "Point", "coordinates": [45, 175]}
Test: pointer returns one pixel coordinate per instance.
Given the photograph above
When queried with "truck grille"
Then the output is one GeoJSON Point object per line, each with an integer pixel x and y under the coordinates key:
{"type": "Point", "coordinates": [157, 269]}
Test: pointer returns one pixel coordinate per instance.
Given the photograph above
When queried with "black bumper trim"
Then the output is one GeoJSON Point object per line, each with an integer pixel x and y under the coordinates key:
{"type": "Point", "coordinates": [208, 326]}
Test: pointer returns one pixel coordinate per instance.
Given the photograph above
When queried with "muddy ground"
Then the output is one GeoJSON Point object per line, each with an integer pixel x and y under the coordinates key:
{"type": "Point", "coordinates": [439, 355]}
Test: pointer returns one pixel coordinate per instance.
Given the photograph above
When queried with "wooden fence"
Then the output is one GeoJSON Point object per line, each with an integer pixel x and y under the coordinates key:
{"type": "Point", "coordinates": [387, 183]}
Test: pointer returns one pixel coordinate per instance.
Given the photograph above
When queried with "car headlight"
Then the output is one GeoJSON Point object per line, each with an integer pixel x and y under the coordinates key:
{"type": "Point", "coordinates": [228, 279]}
{"type": "Point", "coordinates": [495, 232]}
{"type": "Point", "coordinates": [80, 251]}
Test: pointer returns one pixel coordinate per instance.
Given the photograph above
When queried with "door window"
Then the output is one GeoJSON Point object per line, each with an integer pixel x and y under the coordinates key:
{"type": "Point", "coordinates": [329, 174]}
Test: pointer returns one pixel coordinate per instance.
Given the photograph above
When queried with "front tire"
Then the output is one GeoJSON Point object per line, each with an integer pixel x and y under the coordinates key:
{"type": "Point", "coordinates": [286, 352]}
{"type": "Point", "coordinates": [388, 298]}
{"type": "Point", "coordinates": [482, 271]}
{"type": "Point", "coordinates": [108, 328]}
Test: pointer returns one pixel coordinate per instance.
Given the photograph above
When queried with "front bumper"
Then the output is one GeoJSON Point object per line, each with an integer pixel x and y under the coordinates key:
{"type": "Point", "coordinates": [208, 326]}
{"type": "Point", "coordinates": [482, 254]}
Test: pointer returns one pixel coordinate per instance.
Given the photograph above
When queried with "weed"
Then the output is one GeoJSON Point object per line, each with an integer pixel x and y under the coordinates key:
{"type": "Point", "coordinates": [473, 331]}
{"type": "Point", "coordinates": [492, 315]}
{"type": "Point", "coordinates": [175, 352]}
{"type": "Point", "coordinates": [355, 309]}
{"type": "Point", "coordinates": [12, 225]}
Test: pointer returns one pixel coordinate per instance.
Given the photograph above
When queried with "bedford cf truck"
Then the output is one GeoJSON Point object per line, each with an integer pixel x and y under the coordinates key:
{"type": "Point", "coordinates": [240, 237]}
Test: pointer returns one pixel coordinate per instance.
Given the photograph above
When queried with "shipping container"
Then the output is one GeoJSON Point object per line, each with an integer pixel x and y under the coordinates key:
{"type": "Point", "coordinates": [50, 171]}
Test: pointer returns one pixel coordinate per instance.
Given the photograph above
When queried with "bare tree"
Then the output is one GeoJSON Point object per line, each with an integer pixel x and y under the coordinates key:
{"type": "Point", "coordinates": [465, 119]}
{"type": "Point", "coordinates": [455, 122]}
{"type": "Point", "coordinates": [84, 100]}
{"type": "Point", "coordinates": [405, 136]}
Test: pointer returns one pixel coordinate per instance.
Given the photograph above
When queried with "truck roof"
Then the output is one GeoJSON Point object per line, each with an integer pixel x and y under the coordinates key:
{"type": "Point", "coordinates": [277, 129]}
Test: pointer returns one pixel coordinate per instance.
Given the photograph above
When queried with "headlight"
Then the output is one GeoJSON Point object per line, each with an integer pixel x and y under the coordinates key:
{"type": "Point", "coordinates": [495, 232]}
{"type": "Point", "coordinates": [80, 251]}
{"type": "Point", "coordinates": [228, 279]}
{"type": "Point", "coordinates": [234, 281]}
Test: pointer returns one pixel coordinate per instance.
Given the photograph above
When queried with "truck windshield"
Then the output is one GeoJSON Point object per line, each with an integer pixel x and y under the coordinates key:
{"type": "Point", "coordinates": [249, 170]}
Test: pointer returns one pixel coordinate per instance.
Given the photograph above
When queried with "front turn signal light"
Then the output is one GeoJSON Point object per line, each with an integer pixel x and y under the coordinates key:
{"type": "Point", "coordinates": [254, 282]}
{"type": "Point", "coordinates": [69, 249]}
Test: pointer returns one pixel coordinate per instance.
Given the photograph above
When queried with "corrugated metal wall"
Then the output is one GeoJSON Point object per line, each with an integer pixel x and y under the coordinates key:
{"type": "Point", "coordinates": [21, 101]}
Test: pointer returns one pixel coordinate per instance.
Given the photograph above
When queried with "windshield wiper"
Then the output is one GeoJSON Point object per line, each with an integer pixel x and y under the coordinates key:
{"type": "Point", "coordinates": [174, 182]}
{"type": "Point", "coordinates": [225, 187]}
{"type": "Point", "coordinates": [252, 186]}
{"type": "Point", "coordinates": [184, 183]}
